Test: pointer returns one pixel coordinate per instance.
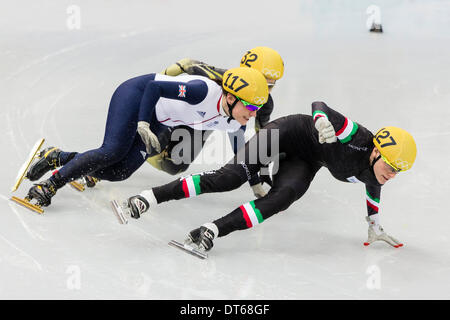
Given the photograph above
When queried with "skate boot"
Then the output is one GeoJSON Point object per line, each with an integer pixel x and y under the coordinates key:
{"type": "Point", "coordinates": [137, 205]}
{"type": "Point", "coordinates": [202, 237]}
{"type": "Point", "coordinates": [42, 192]}
{"type": "Point", "coordinates": [90, 181]}
{"type": "Point", "coordinates": [198, 241]}
{"type": "Point", "coordinates": [192, 238]}
{"type": "Point", "coordinates": [48, 160]}
{"type": "Point", "coordinates": [87, 181]}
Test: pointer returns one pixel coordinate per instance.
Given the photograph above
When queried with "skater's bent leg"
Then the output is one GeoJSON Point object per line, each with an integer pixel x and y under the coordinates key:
{"type": "Point", "coordinates": [227, 178]}
{"type": "Point", "coordinates": [65, 157]}
{"type": "Point", "coordinates": [49, 159]}
{"type": "Point", "coordinates": [290, 184]}
{"type": "Point", "coordinates": [239, 170]}
{"type": "Point", "coordinates": [92, 160]}
{"type": "Point", "coordinates": [123, 169]}
{"type": "Point", "coordinates": [120, 132]}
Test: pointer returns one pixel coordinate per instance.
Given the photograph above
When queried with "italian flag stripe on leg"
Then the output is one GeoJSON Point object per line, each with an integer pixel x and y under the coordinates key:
{"type": "Point", "coordinates": [347, 131]}
{"type": "Point", "coordinates": [191, 186]}
{"type": "Point", "coordinates": [318, 113]}
{"type": "Point", "coordinates": [246, 218]}
{"type": "Point", "coordinates": [372, 202]}
{"type": "Point", "coordinates": [251, 214]}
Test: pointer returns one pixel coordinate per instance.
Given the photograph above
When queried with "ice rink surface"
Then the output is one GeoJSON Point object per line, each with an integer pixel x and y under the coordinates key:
{"type": "Point", "coordinates": [56, 82]}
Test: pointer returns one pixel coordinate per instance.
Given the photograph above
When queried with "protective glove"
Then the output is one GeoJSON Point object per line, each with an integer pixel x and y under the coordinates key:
{"type": "Point", "coordinates": [258, 190]}
{"type": "Point", "coordinates": [326, 130]}
{"type": "Point", "coordinates": [148, 137]}
{"type": "Point", "coordinates": [376, 233]}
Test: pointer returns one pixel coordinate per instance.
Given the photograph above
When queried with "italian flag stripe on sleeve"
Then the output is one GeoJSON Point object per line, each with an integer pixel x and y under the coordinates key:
{"type": "Point", "coordinates": [347, 131]}
{"type": "Point", "coordinates": [252, 215]}
{"type": "Point", "coordinates": [372, 202]}
{"type": "Point", "coordinates": [318, 113]}
{"type": "Point", "coordinates": [191, 186]}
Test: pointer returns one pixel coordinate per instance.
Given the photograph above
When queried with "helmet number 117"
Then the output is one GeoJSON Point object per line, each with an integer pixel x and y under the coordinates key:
{"type": "Point", "coordinates": [235, 78]}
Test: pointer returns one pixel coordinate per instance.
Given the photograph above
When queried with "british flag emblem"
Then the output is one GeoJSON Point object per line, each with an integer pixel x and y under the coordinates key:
{"type": "Point", "coordinates": [182, 91]}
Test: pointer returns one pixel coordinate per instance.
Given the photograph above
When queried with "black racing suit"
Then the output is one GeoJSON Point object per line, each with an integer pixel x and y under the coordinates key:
{"type": "Point", "coordinates": [347, 160]}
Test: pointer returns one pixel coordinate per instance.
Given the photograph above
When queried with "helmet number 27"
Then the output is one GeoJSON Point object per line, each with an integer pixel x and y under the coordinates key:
{"type": "Point", "coordinates": [385, 135]}
{"type": "Point", "coordinates": [231, 85]}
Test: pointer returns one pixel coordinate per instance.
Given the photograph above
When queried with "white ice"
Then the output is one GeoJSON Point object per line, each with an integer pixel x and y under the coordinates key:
{"type": "Point", "coordinates": [56, 83]}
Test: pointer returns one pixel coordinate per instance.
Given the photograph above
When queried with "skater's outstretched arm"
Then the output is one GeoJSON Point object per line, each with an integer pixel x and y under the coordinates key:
{"type": "Point", "coordinates": [376, 232]}
{"type": "Point", "coordinates": [372, 199]}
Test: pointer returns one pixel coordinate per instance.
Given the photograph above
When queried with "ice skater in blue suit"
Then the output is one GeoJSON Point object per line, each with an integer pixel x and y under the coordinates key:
{"type": "Point", "coordinates": [142, 112]}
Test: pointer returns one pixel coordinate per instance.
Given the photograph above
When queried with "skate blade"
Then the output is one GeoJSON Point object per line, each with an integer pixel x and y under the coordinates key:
{"type": "Point", "coordinates": [27, 204]}
{"type": "Point", "coordinates": [24, 169]}
{"type": "Point", "coordinates": [77, 186]}
{"type": "Point", "coordinates": [118, 211]}
{"type": "Point", "coordinates": [188, 249]}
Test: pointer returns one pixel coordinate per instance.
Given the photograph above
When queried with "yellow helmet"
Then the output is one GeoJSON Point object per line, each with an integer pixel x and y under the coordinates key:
{"type": "Point", "coordinates": [397, 147]}
{"type": "Point", "coordinates": [247, 84]}
{"type": "Point", "coordinates": [266, 60]}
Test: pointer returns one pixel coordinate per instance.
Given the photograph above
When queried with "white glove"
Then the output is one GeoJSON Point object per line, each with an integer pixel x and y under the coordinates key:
{"type": "Point", "coordinates": [148, 137]}
{"type": "Point", "coordinates": [326, 130]}
{"type": "Point", "coordinates": [376, 233]}
{"type": "Point", "coordinates": [258, 190]}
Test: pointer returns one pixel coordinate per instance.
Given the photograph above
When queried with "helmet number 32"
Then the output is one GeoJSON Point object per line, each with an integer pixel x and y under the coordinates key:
{"type": "Point", "coordinates": [384, 135]}
{"type": "Point", "coordinates": [233, 82]}
{"type": "Point", "coordinates": [249, 57]}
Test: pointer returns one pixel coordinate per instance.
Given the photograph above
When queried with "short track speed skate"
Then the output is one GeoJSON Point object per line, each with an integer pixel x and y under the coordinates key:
{"type": "Point", "coordinates": [82, 183]}
{"type": "Point", "coordinates": [26, 202]}
{"type": "Point", "coordinates": [24, 169]}
{"type": "Point", "coordinates": [121, 210]}
{"type": "Point", "coordinates": [38, 196]}
{"type": "Point", "coordinates": [198, 241]}
{"type": "Point", "coordinates": [189, 248]}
